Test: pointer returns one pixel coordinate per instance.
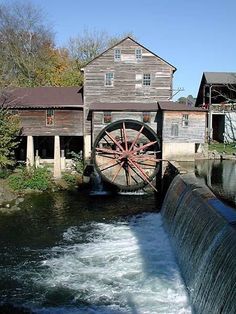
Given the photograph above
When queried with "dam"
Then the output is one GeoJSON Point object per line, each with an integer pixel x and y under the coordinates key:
{"type": "Point", "coordinates": [120, 254]}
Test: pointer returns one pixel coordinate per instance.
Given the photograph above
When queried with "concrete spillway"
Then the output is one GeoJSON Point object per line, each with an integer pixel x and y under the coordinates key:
{"type": "Point", "coordinates": [203, 235]}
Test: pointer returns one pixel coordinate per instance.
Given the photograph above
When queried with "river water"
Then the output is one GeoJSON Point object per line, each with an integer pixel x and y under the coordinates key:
{"type": "Point", "coordinates": [73, 253]}
{"type": "Point", "coordinates": [219, 176]}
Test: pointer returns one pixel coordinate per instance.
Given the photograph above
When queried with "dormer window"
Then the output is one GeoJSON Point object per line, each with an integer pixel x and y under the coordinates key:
{"type": "Point", "coordinates": [138, 54]}
{"type": "Point", "coordinates": [146, 79]}
{"type": "Point", "coordinates": [117, 55]}
{"type": "Point", "coordinates": [109, 79]}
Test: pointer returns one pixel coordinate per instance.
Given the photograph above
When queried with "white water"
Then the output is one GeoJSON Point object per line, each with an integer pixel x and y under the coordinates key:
{"type": "Point", "coordinates": [125, 267]}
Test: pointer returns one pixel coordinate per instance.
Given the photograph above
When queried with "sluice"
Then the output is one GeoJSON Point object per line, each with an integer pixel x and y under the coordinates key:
{"type": "Point", "coordinates": [202, 232]}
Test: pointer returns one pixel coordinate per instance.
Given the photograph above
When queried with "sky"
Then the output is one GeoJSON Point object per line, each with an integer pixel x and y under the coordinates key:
{"type": "Point", "coordinates": [193, 35]}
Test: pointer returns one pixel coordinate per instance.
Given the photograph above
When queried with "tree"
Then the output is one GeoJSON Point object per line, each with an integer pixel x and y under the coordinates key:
{"type": "Point", "coordinates": [189, 100]}
{"type": "Point", "coordinates": [90, 44]}
{"type": "Point", "coordinates": [9, 130]}
{"type": "Point", "coordinates": [225, 96]}
{"type": "Point", "coordinates": [25, 40]}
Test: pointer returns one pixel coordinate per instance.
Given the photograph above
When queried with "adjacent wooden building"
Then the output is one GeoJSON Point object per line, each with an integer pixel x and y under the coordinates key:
{"type": "Point", "coordinates": [51, 123]}
{"type": "Point", "coordinates": [217, 94]}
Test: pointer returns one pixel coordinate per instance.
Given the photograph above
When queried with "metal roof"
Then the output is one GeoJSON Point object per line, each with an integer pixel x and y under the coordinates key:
{"type": "Point", "coordinates": [141, 106]}
{"type": "Point", "coordinates": [43, 97]}
{"type": "Point", "coordinates": [121, 106]}
{"type": "Point", "coordinates": [175, 106]}
{"type": "Point", "coordinates": [220, 77]}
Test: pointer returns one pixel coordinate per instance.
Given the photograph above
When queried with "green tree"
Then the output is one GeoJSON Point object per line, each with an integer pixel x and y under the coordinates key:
{"type": "Point", "coordinates": [9, 130]}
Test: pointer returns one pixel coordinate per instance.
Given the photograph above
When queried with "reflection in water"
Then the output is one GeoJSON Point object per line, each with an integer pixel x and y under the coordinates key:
{"type": "Point", "coordinates": [220, 176]}
{"type": "Point", "coordinates": [70, 253]}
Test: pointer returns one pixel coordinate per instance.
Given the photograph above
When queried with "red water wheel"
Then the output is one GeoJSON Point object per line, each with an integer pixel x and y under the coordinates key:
{"type": "Point", "coordinates": [126, 154]}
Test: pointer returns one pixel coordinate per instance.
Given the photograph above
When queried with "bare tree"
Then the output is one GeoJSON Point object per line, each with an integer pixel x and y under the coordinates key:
{"type": "Point", "coordinates": [90, 44]}
{"type": "Point", "coordinates": [24, 39]}
{"type": "Point", "coordinates": [225, 96]}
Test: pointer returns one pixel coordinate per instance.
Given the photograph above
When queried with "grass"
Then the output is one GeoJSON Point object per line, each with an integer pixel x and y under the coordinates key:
{"type": "Point", "coordinates": [228, 149]}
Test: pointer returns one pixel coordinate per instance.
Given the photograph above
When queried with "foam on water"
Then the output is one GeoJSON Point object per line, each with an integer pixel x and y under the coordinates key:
{"type": "Point", "coordinates": [121, 267]}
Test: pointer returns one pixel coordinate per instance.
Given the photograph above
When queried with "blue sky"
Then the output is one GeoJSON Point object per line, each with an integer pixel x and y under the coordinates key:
{"type": "Point", "coordinates": [192, 35]}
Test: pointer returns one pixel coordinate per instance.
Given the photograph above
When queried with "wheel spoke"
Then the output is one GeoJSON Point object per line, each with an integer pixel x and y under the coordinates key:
{"type": "Point", "coordinates": [139, 158]}
{"type": "Point", "coordinates": [128, 176]}
{"type": "Point", "coordinates": [125, 136]}
{"type": "Point", "coordinates": [117, 172]}
{"type": "Point", "coordinates": [143, 174]}
{"type": "Point", "coordinates": [108, 151]}
{"type": "Point", "coordinates": [109, 165]}
{"type": "Point", "coordinates": [136, 138]}
{"type": "Point", "coordinates": [114, 141]}
{"type": "Point", "coordinates": [144, 146]}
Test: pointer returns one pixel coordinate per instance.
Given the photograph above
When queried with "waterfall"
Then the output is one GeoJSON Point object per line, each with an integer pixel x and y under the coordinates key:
{"type": "Point", "coordinates": [97, 187]}
{"type": "Point", "coordinates": [202, 234]}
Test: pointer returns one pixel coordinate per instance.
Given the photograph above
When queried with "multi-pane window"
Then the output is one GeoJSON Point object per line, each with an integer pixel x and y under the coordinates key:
{"type": "Point", "coordinates": [107, 117]}
{"type": "Point", "coordinates": [174, 129]}
{"type": "Point", "coordinates": [109, 79]}
{"type": "Point", "coordinates": [146, 79]}
{"type": "Point", "coordinates": [185, 120]}
{"type": "Point", "coordinates": [49, 117]}
{"type": "Point", "coordinates": [138, 54]}
{"type": "Point", "coordinates": [146, 117]}
{"type": "Point", "coordinates": [117, 54]}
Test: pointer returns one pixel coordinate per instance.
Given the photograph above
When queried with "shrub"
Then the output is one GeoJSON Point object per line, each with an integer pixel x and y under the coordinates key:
{"type": "Point", "coordinates": [9, 130]}
{"type": "Point", "coordinates": [4, 173]}
{"type": "Point", "coordinates": [69, 178]}
{"type": "Point", "coordinates": [30, 178]}
{"type": "Point", "coordinates": [78, 162]}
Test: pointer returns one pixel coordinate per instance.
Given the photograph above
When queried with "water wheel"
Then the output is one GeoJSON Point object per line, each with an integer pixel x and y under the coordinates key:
{"type": "Point", "coordinates": [126, 154]}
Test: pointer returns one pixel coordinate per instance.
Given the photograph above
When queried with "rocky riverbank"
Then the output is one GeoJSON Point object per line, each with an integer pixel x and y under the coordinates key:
{"type": "Point", "coordinates": [9, 200]}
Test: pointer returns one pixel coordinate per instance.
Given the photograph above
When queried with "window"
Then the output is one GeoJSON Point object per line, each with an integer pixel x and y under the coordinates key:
{"type": "Point", "coordinates": [107, 117]}
{"type": "Point", "coordinates": [174, 129]}
{"type": "Point", "coordinates": [138, 54]}
{"type": "Point", "coordinates": [146, 117]}
{"type": "Point", "coordinates": [49, 117]}
{"type": "Point", "coordinates": [146, 79]}
{"type": "Point", "coordinates": [117, 54]}
{"type": "Point", "coordinates": [185, 120]}
{"type": "Point", "coordinates": [109, 79]}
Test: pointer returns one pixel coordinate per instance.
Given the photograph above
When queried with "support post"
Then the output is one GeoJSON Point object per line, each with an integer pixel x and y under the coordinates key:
{"type": "Point", "coordinates": [57, 158]}
{"type": "Point", "coordinates": [63, 160]}
{"type": "Point", "coordinates": [210, 130]}
{"type": "Point", "coordinates": [30, 151]}
{"type": "Point", "coordinates": [37, 159]}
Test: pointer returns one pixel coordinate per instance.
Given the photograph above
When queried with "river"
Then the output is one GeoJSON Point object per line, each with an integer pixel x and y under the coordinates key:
{"type": "Point", "coordinates": [68, 252]}
{"type": "Point", "coordinates": [219, 176]}
{"type": "Point", "coordinates": [73, 253]}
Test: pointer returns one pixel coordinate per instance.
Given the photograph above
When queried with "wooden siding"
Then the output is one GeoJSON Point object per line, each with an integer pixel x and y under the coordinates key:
{"type": "Point", "coordinates": [193, 133]}
{"type": "Point", "coordinates": [128, 73]}
{"type": "Point", "coordinates": [66, 122]}
{"type": "Point", "coordinates": [98, 123]}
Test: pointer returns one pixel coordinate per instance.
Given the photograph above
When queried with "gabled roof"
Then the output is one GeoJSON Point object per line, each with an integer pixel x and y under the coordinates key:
{"type": "Point", "coordinates": [43, 97]}
{"type": "Point", "coordinates": [128, 37]}
{"type": "Point", "coordinates": [220, 77]}
{"type": "Point", "coordinates": [214, 78]}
